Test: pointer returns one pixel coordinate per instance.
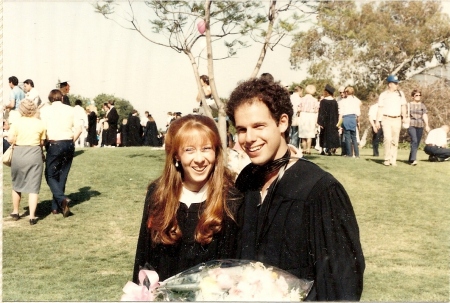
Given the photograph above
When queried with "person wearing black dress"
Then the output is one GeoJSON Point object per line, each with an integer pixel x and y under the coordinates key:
{"type": "Point", "coordinates": [134, 129]}
{"type": "Point", "coordinates": [92, 127]}
{"type": "Point", "coordinates": [187, 218]}
{"type": "Point", "coordinates": [296, 216]}
{"type": "Point", "coordinates": [151, 132]}
{"type": "Point", "coordinates": [327, 120]}
{"type": "Point", "coordinates": [112, 117]}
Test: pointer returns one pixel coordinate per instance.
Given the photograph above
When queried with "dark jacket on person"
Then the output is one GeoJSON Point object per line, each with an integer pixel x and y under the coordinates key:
{"type": "Point", "coordinates": [151, 134]}
{"type": "Point", "coordinates": [310, 230]}
{"type": "Point", "coordinates": [328, 117]}
{"type": "Point", "coordinates": [113, 118]}
{"type": "Point", "coordinates": [168, 260]}
{"type": "Point", "coordinates": [134, 131]}
{"type": "Point", "coordinates": [92, 129]}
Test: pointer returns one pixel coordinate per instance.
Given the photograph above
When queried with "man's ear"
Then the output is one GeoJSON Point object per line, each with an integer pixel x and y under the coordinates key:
{"type": "Point", "coordinates": [283, 123]}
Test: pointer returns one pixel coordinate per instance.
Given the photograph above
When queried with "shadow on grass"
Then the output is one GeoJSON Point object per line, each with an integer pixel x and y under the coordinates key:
{"type": "Point", "coordinates": [84, 194]}
{"type": "Point", "coordinates": [145, 155]}
{"type": "Point", "coordinates": [377, 161]}
{"type": "Point", "coordinates": [78, 152]}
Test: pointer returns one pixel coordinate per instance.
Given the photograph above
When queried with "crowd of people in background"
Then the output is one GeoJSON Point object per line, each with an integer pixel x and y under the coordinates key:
{"type": "Point", "coordinates": [328, 123]}
{"type": "Point", "coordinates": [32, 125]}
{"type": "Point", "coordinates": [259, 208]}
{"type": "Point", "coordinates": [324, 123]}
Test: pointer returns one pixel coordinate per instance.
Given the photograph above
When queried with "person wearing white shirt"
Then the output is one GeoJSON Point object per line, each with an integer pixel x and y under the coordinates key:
{"type": "Point", "coordinates": [63, 129]}
{"type": "Point", "coordinates": [376, 133]}
{"type": "Point", "coordinates": [349, 112]}
{"type": "Point", "coordinates": [295, 100]}
{"type": "Point", "coordinates": [31, 93]}
{"type": "Point", "coordinates": [80, 114]}
{"type": "Point", "coordinates": [341, 131]}
{"type": "Point", "coordinates": [436, 144]}
{"type": "Point", "coordinates": [391, 109]}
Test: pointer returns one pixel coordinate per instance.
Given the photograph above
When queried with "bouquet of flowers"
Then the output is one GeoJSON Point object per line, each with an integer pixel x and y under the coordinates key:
{"type": "Point", "coordinates": [220, 280]}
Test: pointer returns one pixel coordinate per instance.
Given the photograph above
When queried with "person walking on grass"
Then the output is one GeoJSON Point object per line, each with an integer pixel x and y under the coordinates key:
{"type": "Point", "coordinates": [391, 109]}
{"type": "Point", "coordinates": [63, 129]}
{"type": "Point", "coordinates": [377, 133]}
{"type": "Point", "coordinates": [349, 112]}
{"type": "Point", "coordinates": [28, 135]}
{"type": "Point", "coordinates": [295, 215]}
{"type": "Point", "coordinates": [417, 114]}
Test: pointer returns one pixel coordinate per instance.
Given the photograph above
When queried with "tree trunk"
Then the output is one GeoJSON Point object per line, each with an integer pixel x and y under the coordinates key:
{"type": "Point", "coordinates": [212, 82]}
{"type": "Point", "coordinates": [262, 55]}
{"type": "Point", "coordinates": [205, 106]}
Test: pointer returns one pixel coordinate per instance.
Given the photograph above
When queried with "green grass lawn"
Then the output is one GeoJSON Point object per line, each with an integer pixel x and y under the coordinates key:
{"type": "Point", "coordinates": [403, 214]}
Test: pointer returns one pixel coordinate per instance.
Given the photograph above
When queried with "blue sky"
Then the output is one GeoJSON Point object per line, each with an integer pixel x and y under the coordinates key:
{"type": "Point", "coordinates": [50, 40]}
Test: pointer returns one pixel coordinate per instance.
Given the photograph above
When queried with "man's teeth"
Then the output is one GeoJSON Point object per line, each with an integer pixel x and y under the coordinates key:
{"type": "Point", "coordinates": [254, 148]}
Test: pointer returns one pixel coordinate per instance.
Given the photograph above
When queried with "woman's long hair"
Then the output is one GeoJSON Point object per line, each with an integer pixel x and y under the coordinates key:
{"type": "Point", "coordinates": [162, 222]}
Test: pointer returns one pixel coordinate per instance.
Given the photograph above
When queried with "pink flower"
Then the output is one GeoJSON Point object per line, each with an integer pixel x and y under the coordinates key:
{"type": "Point", "coordinates": [134, 292]}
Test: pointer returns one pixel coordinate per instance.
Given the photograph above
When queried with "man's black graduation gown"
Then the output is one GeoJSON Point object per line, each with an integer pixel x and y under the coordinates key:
{"type": "Point", "coordinates": [310, 231]}
{"type": "Point", "coordinates": [168, 260]}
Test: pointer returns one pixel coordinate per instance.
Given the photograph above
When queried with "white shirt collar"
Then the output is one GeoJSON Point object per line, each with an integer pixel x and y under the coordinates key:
{"type": "Point", "coordinates": [188, 197]}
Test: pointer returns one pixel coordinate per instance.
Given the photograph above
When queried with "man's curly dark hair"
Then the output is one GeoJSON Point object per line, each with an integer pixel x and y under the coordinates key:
{"type": "Point", "coordinates": [272, 94]}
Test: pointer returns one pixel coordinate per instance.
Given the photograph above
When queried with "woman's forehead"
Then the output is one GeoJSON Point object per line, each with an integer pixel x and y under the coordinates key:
{"type": "Point", "coordinates": [195, 137]}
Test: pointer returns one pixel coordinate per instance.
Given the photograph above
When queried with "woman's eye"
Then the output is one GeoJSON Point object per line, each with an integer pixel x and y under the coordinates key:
{"type": "Point", "coordinates": [207, 148]}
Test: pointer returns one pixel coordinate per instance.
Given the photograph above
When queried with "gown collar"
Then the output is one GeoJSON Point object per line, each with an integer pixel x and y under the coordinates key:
{"type": "Point", "coordinates": [188, 197]}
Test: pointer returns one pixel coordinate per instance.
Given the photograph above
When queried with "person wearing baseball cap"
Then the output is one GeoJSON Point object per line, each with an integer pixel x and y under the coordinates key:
{"type": "Point", "coordinates": [391, 112]}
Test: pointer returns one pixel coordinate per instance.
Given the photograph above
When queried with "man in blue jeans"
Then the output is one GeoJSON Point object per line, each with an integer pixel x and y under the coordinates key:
{"type": "Point", "coordinates": [63, 129]}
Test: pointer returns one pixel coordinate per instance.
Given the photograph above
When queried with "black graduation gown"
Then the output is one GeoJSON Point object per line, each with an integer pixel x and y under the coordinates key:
{"type": "Point", "coordinates": [92, 129]}
{"type": "Point", "coordinates": [134, 131]}
{"type": "Point", "coordinates": [113, 118]}
{"type": "Point", "coordinates": [168, 260]}
{"type": "Point", "coordinates": [310, 231]}
{"type": "Point", "coordinates": [328, 117]}
{"type": "Point", "coordinates": [151, 134]}
{"type": "Point", "coordinates": [124, 135]}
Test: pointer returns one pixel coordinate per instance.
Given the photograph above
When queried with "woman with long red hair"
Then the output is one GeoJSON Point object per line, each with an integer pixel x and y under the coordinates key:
{"type": "Point", "coordinates": [190, 211]}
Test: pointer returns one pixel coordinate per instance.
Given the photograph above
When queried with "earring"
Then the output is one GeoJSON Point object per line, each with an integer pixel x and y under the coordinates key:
{"type": "Point", "coordinates": [176, 163]}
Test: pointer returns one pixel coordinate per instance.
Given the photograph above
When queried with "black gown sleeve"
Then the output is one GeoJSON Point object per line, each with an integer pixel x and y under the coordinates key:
{"type": "Point", "coordinates": [339, 260]}
{"type": "Point", "coordinates": [143, 244]}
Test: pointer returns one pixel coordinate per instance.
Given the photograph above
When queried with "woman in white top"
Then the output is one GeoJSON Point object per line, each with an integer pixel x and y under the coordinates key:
{"type": "Point", "coordinates": [308, 108]}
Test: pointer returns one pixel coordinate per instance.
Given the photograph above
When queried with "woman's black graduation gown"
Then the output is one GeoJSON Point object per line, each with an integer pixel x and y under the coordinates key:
{"type": "Point", "coordinates": [310, 230]}
{"type": "Point", "coordinates": [169, 260]}
{"type": "Point", "coordinates": [92, 129]}
{"type": "Point", "coordinates": [151, 134]}
{"type": "Point", "coordinates": [328, 117]}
